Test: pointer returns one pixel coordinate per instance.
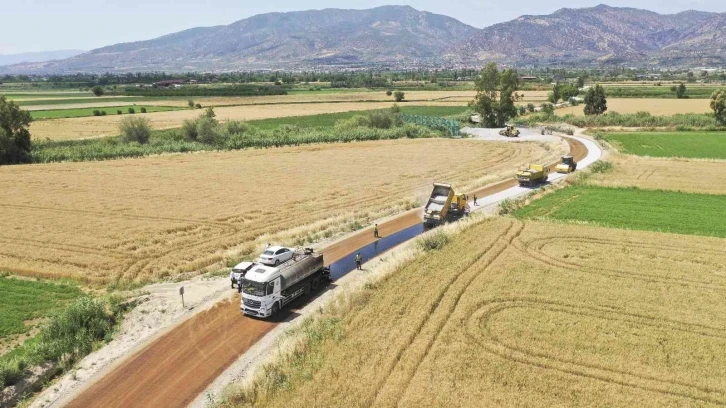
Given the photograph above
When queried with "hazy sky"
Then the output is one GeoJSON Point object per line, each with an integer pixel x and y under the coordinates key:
{"type": "Point", "coordinates": [44, 25]}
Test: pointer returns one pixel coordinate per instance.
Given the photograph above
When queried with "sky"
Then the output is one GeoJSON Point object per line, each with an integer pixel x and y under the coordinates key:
{"type": "Point", "coordinates": [46, 25]}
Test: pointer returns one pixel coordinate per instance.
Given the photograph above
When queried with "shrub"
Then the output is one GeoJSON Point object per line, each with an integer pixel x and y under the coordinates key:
{"type": "Point", "coordinates": [530, 107]}
{"type": "Point", "coordinates": [209, 113]}
{"type": "Point", "coordinates": [601, 167]}
{"type": "Point", "coordinates": [131, 110]}
{"type": "Point", "coordinates": [96, 112]}
{"type": "Point", "coordinates": [97, 90]}
{"type": "Point", "coordinates": [190, 103]}
{"type": "Point", "coordinates": [142, 110]}
{"type": "Point", "coordinates": [135, 129]}
{"type": "Point", "coordinates": [548, 109]}
{"type": "Point", "coordinates": [433, 241]}
{"type": "Point", "coordinates": [399, 96]}
{"type": "Point", "coordinates": [103, 113]}
{"type": "Point", "coordinates": [189, 129]}
{"type": "Point", "coordinates": [198, 106]}
{"type": "Point", "coordinates": [208, 131]}
{"type": "Point", "coordinates": [119, 112]}
{"type": "Point", "coordinates": [389, 92]}
{"type": "Point", "coordinates": [235, 127]}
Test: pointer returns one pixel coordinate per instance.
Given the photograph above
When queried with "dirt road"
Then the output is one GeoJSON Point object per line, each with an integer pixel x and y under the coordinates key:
{"type": "Point", "coordinates": [174, 369]}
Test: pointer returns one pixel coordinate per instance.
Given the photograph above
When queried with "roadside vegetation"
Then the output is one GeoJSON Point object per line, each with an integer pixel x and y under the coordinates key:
{"type": "Point", "coordinates": [683, 121]}
{"type": "Point", "coordinates": [632, 208]}
{"type": "Point", "coordinates": [706, 145]}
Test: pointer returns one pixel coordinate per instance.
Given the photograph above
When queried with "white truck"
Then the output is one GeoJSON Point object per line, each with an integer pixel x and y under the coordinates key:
{"type": "Point", "coordinates": [267, 289]}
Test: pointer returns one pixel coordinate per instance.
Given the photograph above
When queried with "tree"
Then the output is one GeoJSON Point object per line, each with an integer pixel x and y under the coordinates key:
{"type": "Point", "coordinates": [580, 82]}
{"type": "Point", "coordinates": [15, 144]}
{"type": "Point", "coordinates": [142, 110]}
{"type": "Point", "coordinates": [398, 96]}
{"type": "Point", "coordinates": [681, 91]}
{"type": "Point", "coordinates": [555, 96]}
{"type": "Point", "coordinates": [389, 92]}
{"type": "Point", "coordinates": [132, 110]}
{"type": "Point", "coordinates": [97, 90]}
{"type": "Point", "coordinates": [135, 129]}
{"type": "Point", "coordinates": [191, 104]}
{"type": "Point", "coordinates": [495, 95]}
{"type": "Point", "coordinates": [209, 113]}
{"type": "Point", "coordinates": [595, 101]}
{"type": "Point", "coordinates": [718, 104]}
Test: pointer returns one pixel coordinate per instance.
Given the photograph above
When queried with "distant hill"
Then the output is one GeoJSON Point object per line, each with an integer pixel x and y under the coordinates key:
{"type": "Point", "coordinates": [43, 56]}
{"type": "Point", "coordinates": [403, 37]}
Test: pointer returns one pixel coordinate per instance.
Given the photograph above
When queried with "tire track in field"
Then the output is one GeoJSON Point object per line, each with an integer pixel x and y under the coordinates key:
{"type": "Point", "coordinates": [536, 252]}
{"type": "Point", "coordinates": [479, 330]}
{"type": "Point", "coordinates": [389, 388]}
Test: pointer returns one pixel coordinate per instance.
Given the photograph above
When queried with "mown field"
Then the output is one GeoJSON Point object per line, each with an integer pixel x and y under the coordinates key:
{"type": "Point", "coordinates": [653, 106]}
{"type": "Point", "coordinates": [157, 217]}
{"type": "Point", "coordinates": [708, 145]}
{"type": "Point", "coordinates": [631, 208]}
{"type": "Point", "coordinates": [512, 314]}
{"type": "Point", "coordinates": [109, 110]}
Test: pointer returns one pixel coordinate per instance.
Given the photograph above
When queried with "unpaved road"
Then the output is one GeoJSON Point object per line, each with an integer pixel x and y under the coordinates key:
{"type": "Point", "coordinates": [175, 368]}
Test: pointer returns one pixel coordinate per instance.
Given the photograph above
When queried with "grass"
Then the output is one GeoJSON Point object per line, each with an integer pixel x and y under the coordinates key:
{"type": "Point", "coordinates": [682, 121]}
{"type": "Point", "coordinates": [156, 218]}
{"type": "Point", "coordinates": [707, 145]}
{"type": "Point", "coordinates": [518, 314]}
{"type": "Point", "coordinates": [329, 119]}
{"type": "Point", "coordinates": [110, 110]}
{"type": "Point", "coordinates": [26, 300]}
{"type": "Point", "coordinates": [632, 208]}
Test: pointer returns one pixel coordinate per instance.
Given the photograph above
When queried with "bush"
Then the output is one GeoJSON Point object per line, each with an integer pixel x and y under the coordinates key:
{"type": "Point", "coordinates": [208, 131]}
{"type": "Point", "coordinates": [131, 111]}
{"type": "Point", "coordinates": [190, 103]}
{"type": "Point", "coordinates": [433, 241]}
{"type": "Point", "coordinates": [97, 90]}
{"type": "Point", "coordinates": [119, 112]}
{"type": "Point", "coordinates": [548, 109]}
{"type": "Point", "coordinates": [235, 127]}
{"type": "Point", "coordinates": [189, 130]}
{"type": "Point", "coordinates": [198, 106]}
{"type": "Point", "coordinates": [601, 167]}
{"type": "Point", "coordinates": [209, 113]}
{"type": "Point", "coordinates": [135, 129]}
{"type": "Point", "coordinates": [389, 92]}
{"type": "Point", "coordinates": [142, 110]}
{"type": "Point", "coordinates": [530, 107]}
{"type": "Point", "coordinates": [103, 113]}
{"type": "Point", "coordinates": [96, 112]}
{"type": "Point", "coordinates": [399, 96]}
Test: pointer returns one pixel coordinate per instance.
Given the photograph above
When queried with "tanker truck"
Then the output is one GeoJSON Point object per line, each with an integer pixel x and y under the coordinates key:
{"type": "Point", "coordinates": [267, 289]}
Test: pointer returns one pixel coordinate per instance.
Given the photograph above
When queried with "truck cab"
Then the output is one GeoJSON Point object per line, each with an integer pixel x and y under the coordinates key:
{"type": "Point", "coordinates": [261, 291]}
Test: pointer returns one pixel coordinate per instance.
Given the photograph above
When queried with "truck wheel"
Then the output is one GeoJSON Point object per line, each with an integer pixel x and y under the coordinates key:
{"type": "Point", "coordinates": [275, 309]}
{"type": "Point", "coordinates": [307, 289]}
{"type": "Point", "coordinates": [315, 284]}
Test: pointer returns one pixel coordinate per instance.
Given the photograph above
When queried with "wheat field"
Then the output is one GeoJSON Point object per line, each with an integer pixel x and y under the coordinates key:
{"type": "Point", "coordinates": [515, 314]}
{"type": "Point", "coordinates": [98, 126]}
{"type": "Point", "coordinates": [654, 106]}
{"type": "Point", "coordinates": [151, 218]}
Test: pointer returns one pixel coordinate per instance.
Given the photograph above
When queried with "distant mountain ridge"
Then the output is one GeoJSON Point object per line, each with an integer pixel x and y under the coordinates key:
{"type": "Point", "coordinates": [42, 56]}
{"type": "Point", "coordinates": [403, 37]}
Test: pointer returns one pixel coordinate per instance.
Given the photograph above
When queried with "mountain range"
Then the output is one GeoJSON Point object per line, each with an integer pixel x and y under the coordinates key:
{"type": "Point", "coordinates": [42, 56]}
{"type": "Point", "coordinates": [403, 37]}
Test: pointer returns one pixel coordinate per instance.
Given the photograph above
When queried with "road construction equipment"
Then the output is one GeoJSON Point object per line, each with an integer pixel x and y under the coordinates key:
{"type": "Point", "coordinates": [267, 289]}
{"type": "Point", "coordinates": [444, 205]}
{"type": "Point", "coordinates": [533, 175]}
{"type": "Point", "coordinates": [568, 165]}
{"type": "Point", "coordinates": [509, 131]}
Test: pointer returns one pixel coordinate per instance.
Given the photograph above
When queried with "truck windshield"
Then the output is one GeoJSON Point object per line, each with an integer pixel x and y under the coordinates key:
{"type": "Point", "coordinates": [253, 288]}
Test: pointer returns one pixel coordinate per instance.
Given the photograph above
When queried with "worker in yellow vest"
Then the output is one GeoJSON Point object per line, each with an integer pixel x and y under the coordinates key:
{"type": "Point", "coordinates": [359, 261]}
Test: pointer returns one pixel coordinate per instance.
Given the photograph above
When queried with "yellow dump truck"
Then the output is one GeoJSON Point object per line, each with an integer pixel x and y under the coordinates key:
{"type": "Point", "coordinates": [444, 206]}
{"type": "Point", "coordinates": [534, 174]}
{"type": "Point", "coordinates": [567, 165]}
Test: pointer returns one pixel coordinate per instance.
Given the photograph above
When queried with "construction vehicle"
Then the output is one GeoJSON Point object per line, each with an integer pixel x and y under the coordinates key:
{"type": "Point", "coordinates": [267, 289]}
{"type": "Point", "coordinates": [567, 165]}
{"type": "Point", "coordinates": [509, 131]}
{"type": "Point", "coordinates": [444, 206]}
{"type": "Point", "coordinates": [534, 174]}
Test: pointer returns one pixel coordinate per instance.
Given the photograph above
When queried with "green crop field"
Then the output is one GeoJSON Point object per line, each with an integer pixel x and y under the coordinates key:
{"type": "Point", "coordinates": [25, 300]}
{"type": "Point", "coordinates": [110, 110]}
{"type": "Point", "coordinates": [329, 119]}
{"type": "Point", "coordinates": [630, 208]}
{"type": "Point", "coordinates": [664, 91]}
{"type": "Point", "coordinates": [709, 145]}
{"type": "Point", "coordinates": [29, 95]}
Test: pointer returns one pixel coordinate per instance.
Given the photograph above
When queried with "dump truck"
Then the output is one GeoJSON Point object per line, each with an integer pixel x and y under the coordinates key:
{"type": "Point", "coordinates": [534, 174]}
{"type": "Point", "coordinates": [567, 165]}
{"type": "Point", "coordinates": [509, 131]}
{"type": "Point", "coordinates": [444, 206]}
{"type": "Point", "coordinates": [267, 289]}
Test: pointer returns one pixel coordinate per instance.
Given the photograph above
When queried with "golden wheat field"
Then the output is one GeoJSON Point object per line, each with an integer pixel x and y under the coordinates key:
{"type": "Point", "coordinates": [654, 106]}
{"type": "Point", "coordinates": [150, 218]}
{"type": "Point", "coordinates": [98, 126]}
{"type": "Point", "coordinates": [513, 314]}
{"type": "Point", "coordinates": [693, 176]}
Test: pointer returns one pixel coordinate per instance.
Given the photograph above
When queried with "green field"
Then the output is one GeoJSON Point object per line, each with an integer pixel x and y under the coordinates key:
{"type": "Point", "coordinates": [111, 110]}
{"type": "Point", "coordinates": [86, 100]}
{"type": "Point", "coordinates": [630, 208]}
{"type": "Point", "coordinates": [663, 91]}
{"type": "Point", "coordinates": [329, 119]}
{"type": "Point", "coordinates": [707, 145]}
{"type": "Point", "coordinates": [25, 300]}
{"type": "Point", "coordinates": [29, 95]}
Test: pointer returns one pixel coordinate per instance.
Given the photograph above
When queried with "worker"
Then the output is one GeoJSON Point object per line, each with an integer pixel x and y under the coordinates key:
{"type": "Point", "coordinates": [475, 203]}
{"type": "Point", "coordinates": [375, 232]}
{"type": "Point", "coordinates": [231, 277]}
{"type": "Point", "coordinates": [358, 261]}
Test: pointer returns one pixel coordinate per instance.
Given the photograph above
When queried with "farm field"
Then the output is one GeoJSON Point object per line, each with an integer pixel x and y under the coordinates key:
{"type": "Point", "coordinates": [654, 106]}
{"type": "Point", "coordinates": [664, 91]}
{"type": "Point", "coordinates": [80, 128]}
{"type": "Point", "coordinates": [707, 145]}
{"type": "Point", "coordinates": [24, 302]}
{"type": "Point", "coordinates": [694, 176]}
{"type": "Point", "coordinates": [654, 210]}
{"type": "Point", "coordinates": [151, 218]}
{"type": "Point", "coordinates": [85, 112]}
{"type": "Point", "coordinates": [520, 314]}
